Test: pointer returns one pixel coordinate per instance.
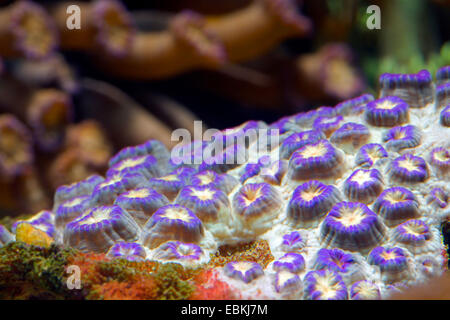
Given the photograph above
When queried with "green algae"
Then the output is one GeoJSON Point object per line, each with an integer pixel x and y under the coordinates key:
{"type": "Point", "coordinates": [31, 272]}
{"type": "Point", "coordinates": [170, 286]}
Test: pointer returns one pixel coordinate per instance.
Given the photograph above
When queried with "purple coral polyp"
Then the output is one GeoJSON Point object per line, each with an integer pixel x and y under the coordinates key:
{"type": "Point", "coordinates": [390, 260]}
{"type": "Point", "coordinates": [298, 140]}
{"type": "Point", "coordinates": [255, 200]}
{"type": "Point", "coordinates": [71, 209]}
{"type": "Point", "coordinates": [130, 251]}
{"type": "Point", "coordinates": [353, 106]}
{"type": "Point", "coordinates": [172, 222]}
{"type": "Point", "coordinates": [151, 147]}
{"type": "Point", "coordinates": [177, 250]}
{"type": "Point", "coordinates": [387, 112]}
{"type": "Point", "coordinates": [287, 282]}
{"type": "Point", "coordinates": [292, 262]}
{"type": "Point", "coordinates": [147, 165]}
{"type": "Point", "coordinates": [99, 229]}
{"type": "Point", "coordinates": [413, 233]}
{"type": "Point", "coordinates": [350, 136]}
{"type": "Point", "coordinates": [325, 285]}
{"type": "Point", "coordinates": [315, 161]}
{"type": "Point", "coordinates": [107, 191]}
{"type": "Point", "coordinates": [399, 138]}
{"type": "Point", "coordinates": [396, 205]}
{"type": "Point", "coordinates": [209, 178]}
{"type": "Point", "coordinates": [245, 271]}
{"type": "Point", "coordinates": [275, 172]}
{"type": "Point", "coordinates": [352, 226]}
{"type": "Point", "coordinates": [438, 197]}
{"type": "Point", "coordinates": [440, 159]}
{"type": "Point", "coordinates": [370, 154]}
{"type": "Point", "coordinates": [327, 125]}
{"type": "Point", "coordinates": [443, 95]}
{"type": "Point", "coordinates": [293, 242]}
{"type": "Point", "coordinates": [334, 259]}
{"type": "Point", "coordinates": [409, 169]}
{"type": "Point", "coordinates": [365, 290]}
{"type": "Point", "coordinates": [444, 117]}
{"type": "Point", "coordinates": [209, 204]}
{"type": "Point", "coordinates": [363, 185]}
{"type": "Point", "coordinates": [169, 185]}
{"type": "Point", "coordinates": [310, 202]}
{"type": "Point", "coordinates": [416, 89]}
{"type": "Point", "coordinates": [443, 75]}
{"type": "Point", "coordinates": [141, 203]}
{"type": "Point", "coordinates": [76, 189]}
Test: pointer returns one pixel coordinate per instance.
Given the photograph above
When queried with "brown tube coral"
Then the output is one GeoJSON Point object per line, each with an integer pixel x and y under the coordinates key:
{"type": "Point", "coordinates": [26, 31]}
{"type": "Point", "coordinates": [255, 29]}
{"type": "Point", "coordinates": [104, 25]}
{"type": "Point", "coordinates": [89, 138]}
{"type": "Point", "coordinates": [187, 45]}
{"type": "Point", "coordinates": [16, 149]}
{"type": "Point", "coordinates": [48, 114]}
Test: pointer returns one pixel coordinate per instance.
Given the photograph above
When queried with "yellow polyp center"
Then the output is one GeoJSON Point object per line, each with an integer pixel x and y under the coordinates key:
{"type": "Point", "coordinates": [350, 217]}
{"type": "Point", "coordinates": [284, 276]}
{"type": "Point", "coordinates": [366, 289]}
{"type": "Point", "coordinates": [373, 155]}
{"type": "Point", "coordinates": [408, 164]}
{"type": "Point", "coordinates": [184, 250]}
{"type": "Point", "coordinates": [388, 255]}
{"type": "Point", "coordinates": [97, 216]}
{"type": "Point", "coordinates": [171, 177]}
{"type": "Point", "coordinates": [251, 196]}
{"type": "Point", "coordinates": [206, 194]}
{"type": "Point", "coordinates": [242, 266]}
{"type": "Point", "coordinates": [117, 30]}
{"type": "Point", "coordinates": [399, 134]}
{"type": "Point", "coordinates": [312, 151]}
{"type": "Point", "coordinates": [73, 202]}
{"type": "Point", "coordinates": [111, 181]}
{"type": "Point", "coordinates": [361, 176]}
{"type": "Point", "coordinates": [323, 285]}
{"type": "Point", "coordinates": [414, 229]}
{"type": "Point", "coordinates": [395, 197]}
{"type": "Point", "coordinates": [442, 156]}
{"type": "Point", "coordinates": [140, 193]}
{"type": "Point", "coordinates": [177, 213]}
{"type": "Point", "coordinates": [205, 179]}
{"type": "Point", "coordinates": [129, 163]}
{"type": "Point", "coordinates": [386, 105]}
{"type": "Point", "coordinates": [37, 36]}
{"type": "Point", "coordinates": [309, 195]}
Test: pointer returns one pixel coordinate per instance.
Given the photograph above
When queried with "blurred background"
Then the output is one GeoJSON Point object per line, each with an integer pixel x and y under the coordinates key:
{"type": "Point", "coordinates": [80, 80]}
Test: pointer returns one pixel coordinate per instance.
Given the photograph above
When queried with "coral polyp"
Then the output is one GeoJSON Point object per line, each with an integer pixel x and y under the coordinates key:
{"type": "Point", "coordinates": [347, 204]}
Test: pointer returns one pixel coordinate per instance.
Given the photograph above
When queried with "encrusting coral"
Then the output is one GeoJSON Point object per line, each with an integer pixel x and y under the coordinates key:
{"type": "Point", "coordinates": [355, 220]}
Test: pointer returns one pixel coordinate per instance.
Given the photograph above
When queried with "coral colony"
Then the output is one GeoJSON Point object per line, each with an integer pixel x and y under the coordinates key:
{"type": "Point", "coordinates": [347, 204]}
